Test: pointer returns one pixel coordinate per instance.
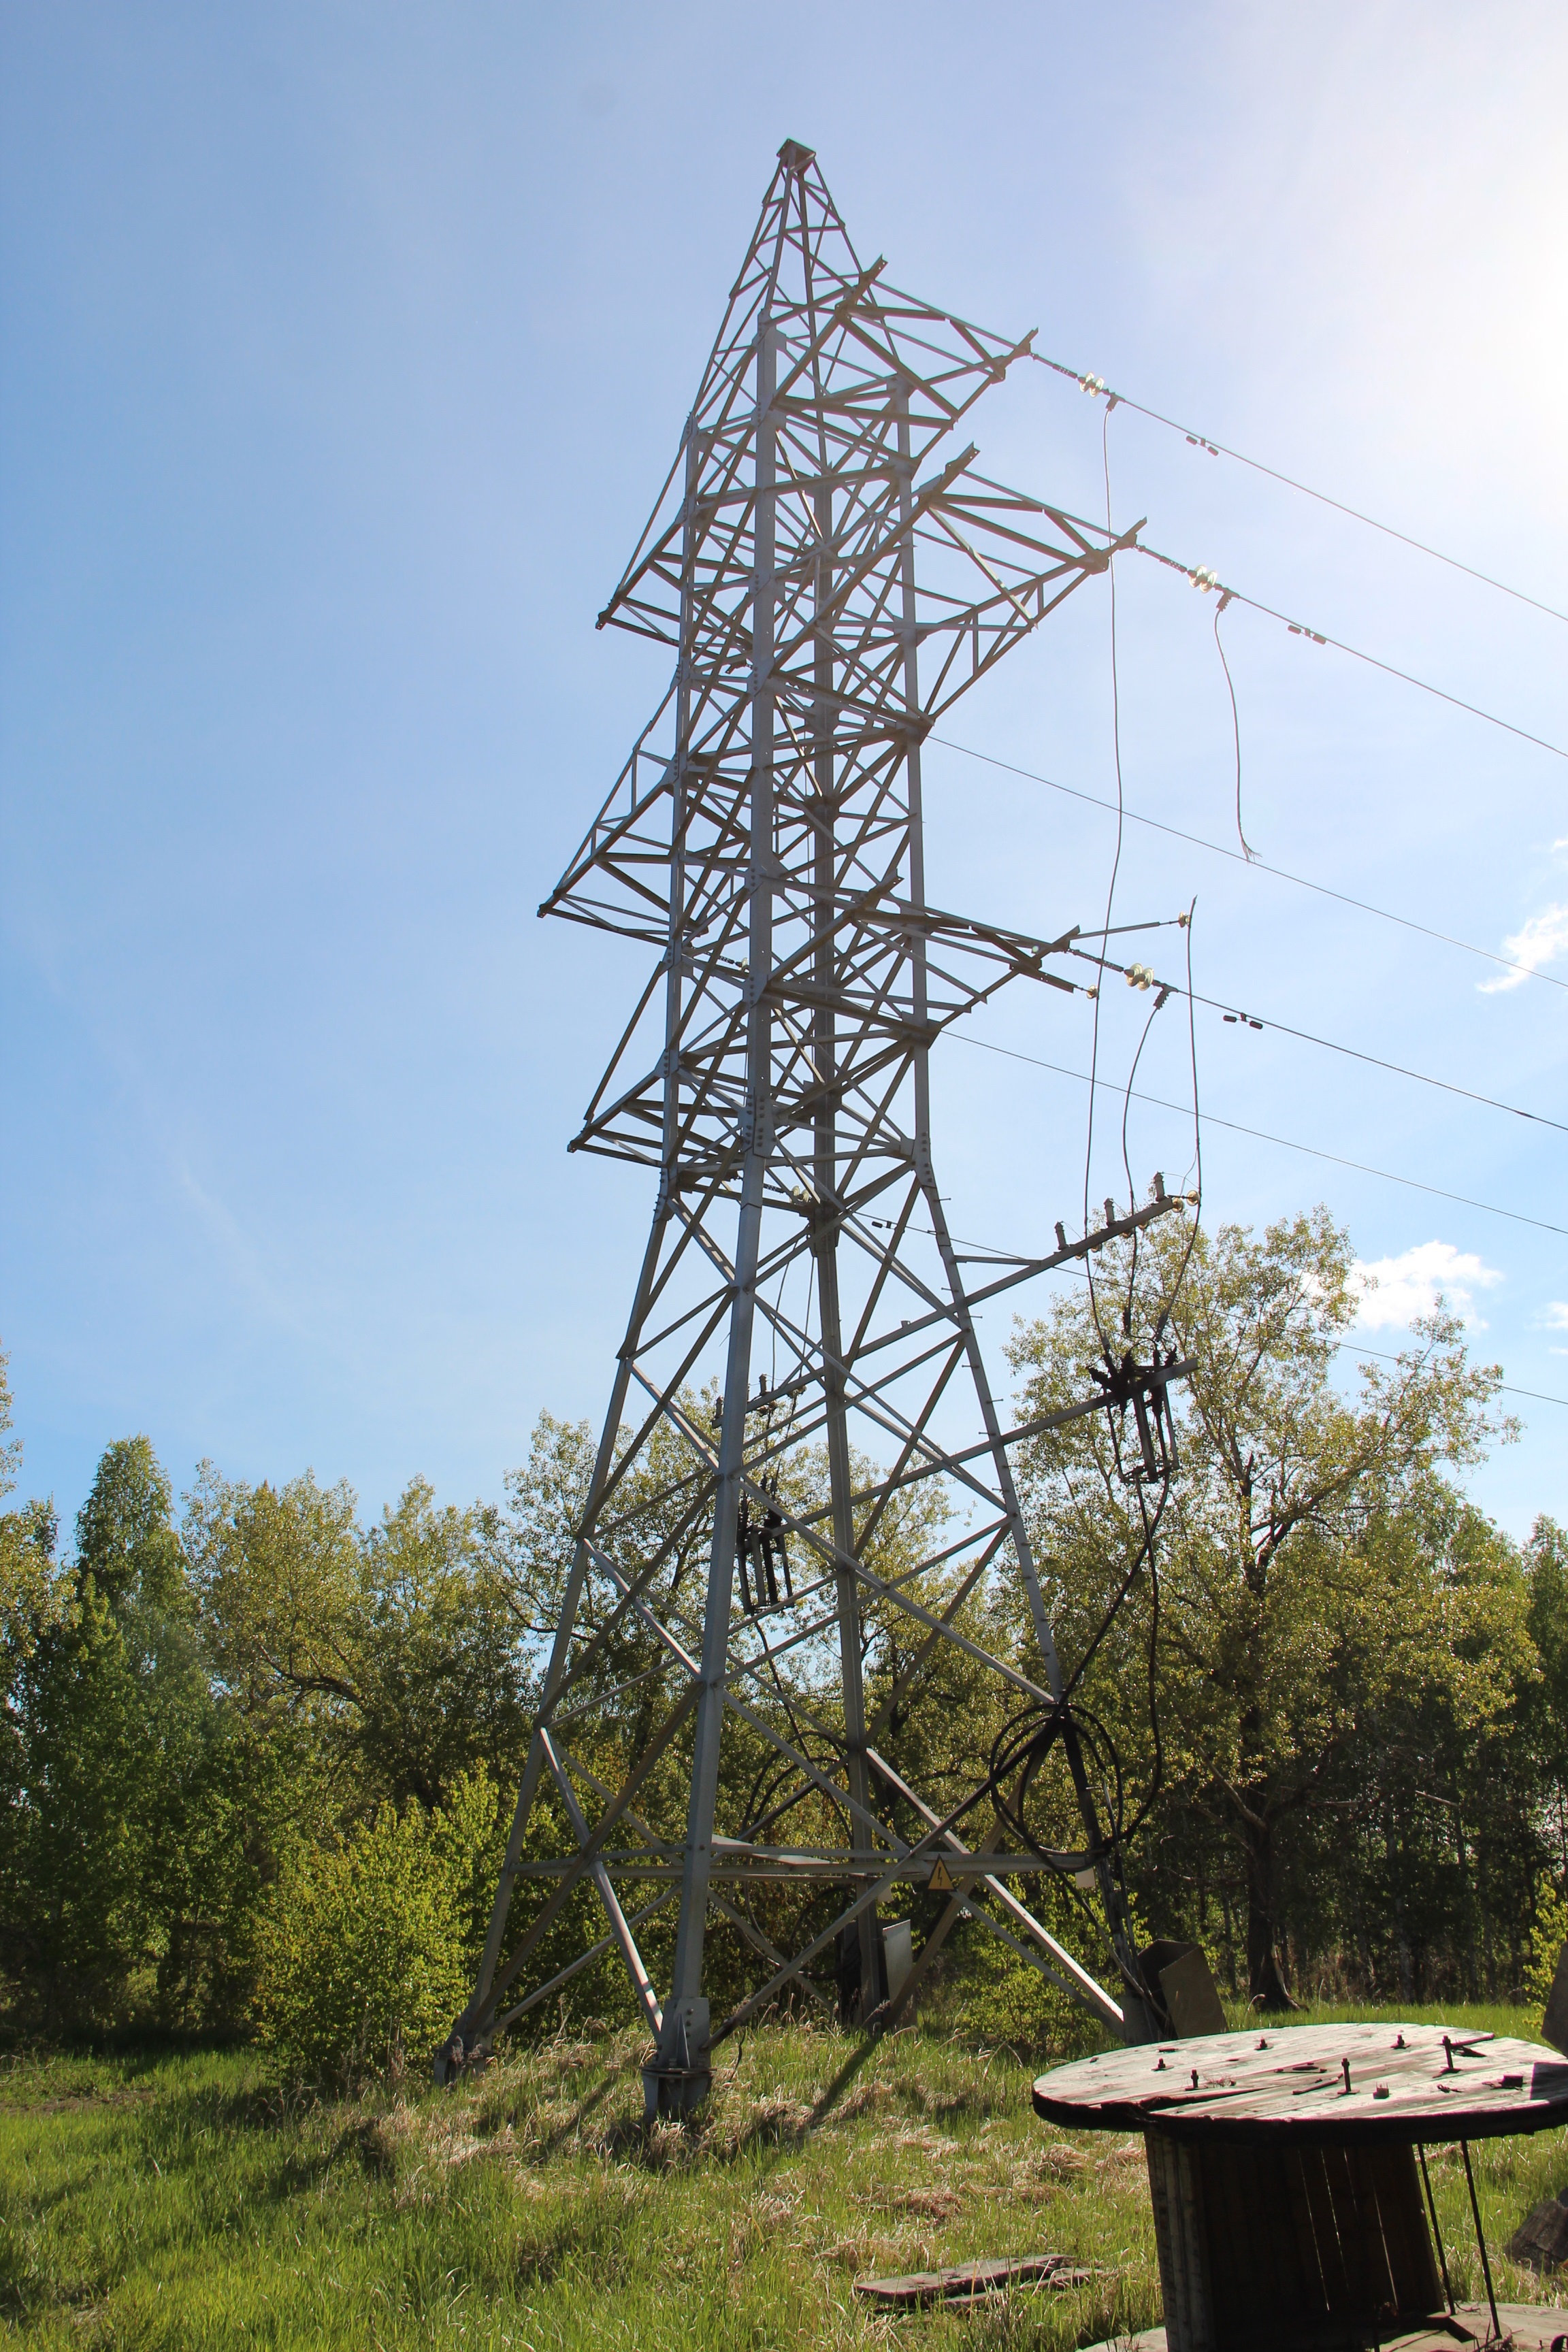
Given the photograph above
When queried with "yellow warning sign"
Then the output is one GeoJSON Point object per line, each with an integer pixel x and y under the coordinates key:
{"type": "Point", "coordinates": [941, 1879]}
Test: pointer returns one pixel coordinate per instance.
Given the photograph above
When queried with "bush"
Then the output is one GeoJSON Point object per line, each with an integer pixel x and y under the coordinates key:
{"type": "Point", "coordinates": [1035, 2018]}
{"type": "Point", "coordinates": [366, 1953]}
{"type": "Point", "coordinates": [1547, 1937]}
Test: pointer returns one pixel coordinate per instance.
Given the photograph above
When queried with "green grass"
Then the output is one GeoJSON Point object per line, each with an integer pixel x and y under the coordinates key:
{"type": "Point", "coordinates": [183, 2201]}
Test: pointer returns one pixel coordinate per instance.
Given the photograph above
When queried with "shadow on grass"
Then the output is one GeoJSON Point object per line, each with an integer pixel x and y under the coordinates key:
{"type": "Point", "coordinates": [631, 2132]}
{"type": "Point", "coordinates": [661, 2146]}
{"type": "Point", "coordinates": [841, 2080]}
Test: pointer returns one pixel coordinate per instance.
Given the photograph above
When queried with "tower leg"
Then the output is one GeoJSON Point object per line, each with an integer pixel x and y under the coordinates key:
{"type": "Point", "coordinates": [679, 2078]}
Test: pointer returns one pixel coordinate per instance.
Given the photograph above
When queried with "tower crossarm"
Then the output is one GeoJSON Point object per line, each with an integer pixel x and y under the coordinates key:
{"type": "Point", "coordinates": [870, 991]}
{"type": "Point", "coordinates": [996, 585]}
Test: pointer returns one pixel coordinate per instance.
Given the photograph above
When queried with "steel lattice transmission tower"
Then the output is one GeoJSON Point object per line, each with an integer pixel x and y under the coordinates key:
{"type": "Point", "coordinates": [830, 581]}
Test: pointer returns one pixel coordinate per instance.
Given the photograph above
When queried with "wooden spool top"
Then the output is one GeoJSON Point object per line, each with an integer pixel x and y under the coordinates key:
{"type": "Point", "coordinates": [1272, 2082]}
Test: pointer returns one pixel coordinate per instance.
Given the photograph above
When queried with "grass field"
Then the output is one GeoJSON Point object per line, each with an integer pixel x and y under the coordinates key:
{"type": "Point", "coordinates": [184, 2201]}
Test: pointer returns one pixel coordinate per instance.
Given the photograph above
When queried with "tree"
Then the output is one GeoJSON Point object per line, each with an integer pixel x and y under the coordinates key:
{"type": "Point", "coordinates": [391, 1654]}
{"type": "Point", "coordinates": [661, 1512]}
{"type": "Point", "coordinates": [1294, 1599]}
{"type": "Point", "coordinates": [1546, 1569]}
{"type": "Point", "coordinates": [29, 1583]}
{"type": "Point", "coordinates": [125, 1537]}
{"type": "Point", "coordinates": [1422, 1857]}
{"type": "Point", "coordinates": [117, 1852]}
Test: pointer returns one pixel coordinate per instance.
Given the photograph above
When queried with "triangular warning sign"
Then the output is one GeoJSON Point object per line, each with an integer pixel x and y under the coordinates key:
{"type": "Point", "coordinates": [941, 1879]}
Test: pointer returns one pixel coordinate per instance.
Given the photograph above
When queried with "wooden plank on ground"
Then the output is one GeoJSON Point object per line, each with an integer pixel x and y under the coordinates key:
{"type": "Point", "coordinates": [967, 2282]}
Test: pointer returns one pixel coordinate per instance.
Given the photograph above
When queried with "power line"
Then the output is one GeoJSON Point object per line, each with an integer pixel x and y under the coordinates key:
{"type": "Point", "coordinates": [1330, 1045]}
{"type": "Point", "coordinates": [1343, 1346]}
{"type": "Point", "coordinates": [1286, 1143]}
{"type": "Point", "coordinates": [1507, 1386]}
{"type": "Point", "coordinates": [1201, 577]}
{"type": "Point", "coordinates": [1218, 449]}
{"type": "Point", "coordinates": [1257, 865]}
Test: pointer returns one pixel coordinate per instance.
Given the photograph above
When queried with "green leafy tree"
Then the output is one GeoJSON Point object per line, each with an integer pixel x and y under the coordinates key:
{"type": "Point", "coordinates": [30, 1586]}
{"type": "Point", "coordinates": [125, 1537]}
{"type": "Point", "coordinates": [119, 1850]}
{"type": "Point", "coordinates": [1419, 1859]}
{"type": "Point", "coordinates": [391, 1654]}
{"type": "Point", "coordinates": [1297, 1604]}
{"type": "Point", "coordinates": [1546, 1722]}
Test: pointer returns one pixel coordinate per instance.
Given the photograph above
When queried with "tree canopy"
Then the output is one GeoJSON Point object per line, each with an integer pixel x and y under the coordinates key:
{"type": "Point", "coordinates": [1324, 1599]}
{"type": "Point", "coordinates": [1331, 1713]}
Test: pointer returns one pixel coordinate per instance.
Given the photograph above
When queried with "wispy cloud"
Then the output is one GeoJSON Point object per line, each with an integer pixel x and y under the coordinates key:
{"type": "Point", "coordinates": [1543, 940]}
{"type": "Point", "coordinates": [1553, 1315]}
{"type": "Point", "coordinates": [1394, 1290]}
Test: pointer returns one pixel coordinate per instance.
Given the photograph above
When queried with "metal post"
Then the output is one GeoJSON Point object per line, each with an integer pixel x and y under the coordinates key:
{"type": "Point", "coordinates": [825, 1174]}
{"type": "Point", "coordinates": [678, 2079]}
{"type": "Point", "coordinates": [1436, 2230]}
{"type": "Point", "coordinates": [476, 2016]}
{"type": "Point", "coordinates": [1481, 2243]}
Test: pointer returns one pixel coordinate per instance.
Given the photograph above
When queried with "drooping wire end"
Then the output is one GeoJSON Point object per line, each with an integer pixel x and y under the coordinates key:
{"type": "Point", "coordinates": [1248, 850]}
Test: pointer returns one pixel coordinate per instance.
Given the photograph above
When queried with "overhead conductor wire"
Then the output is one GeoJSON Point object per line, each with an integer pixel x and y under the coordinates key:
{"type": "Point", "coordinates": [1026, 1754]}
{"type": "Point", "coordinates": [1126, 1161]}
{"type": "Point", "coordinates": [1023, 1744]}
{"type": "Point", "coordinates": [1197, 1164]}
{"type": "Point", "coordinates": [1285, 1142]}
{"type": "Point", "coordinates": [1258, 864]}
{"type": "Point", "coordinates": [1025, 1741]}
{"type": "Point", "coordinates": [1202, 577]}
{"type": "Point", "coordinates": [1096, 384]}
{"type": "Point", "coordinates": [1197, 1140]}
{"type": "Point", "coordinates": [1234, 1013]}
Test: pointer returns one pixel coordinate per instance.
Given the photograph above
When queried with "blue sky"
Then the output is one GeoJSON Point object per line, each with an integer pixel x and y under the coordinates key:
{"type": "Point", "coordinates": [345, 348]}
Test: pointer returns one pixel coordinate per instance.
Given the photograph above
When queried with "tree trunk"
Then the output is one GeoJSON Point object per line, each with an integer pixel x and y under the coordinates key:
{"type": "Point", "coordinates": [1266, 1981]}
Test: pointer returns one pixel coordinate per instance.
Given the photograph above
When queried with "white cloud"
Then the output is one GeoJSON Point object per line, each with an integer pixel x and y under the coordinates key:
{"type": "Point", "coordinates": [1543, 939]}
{"type": "Point", "coordinates": [1396, 1289]}
{"type": "Point", "coordinates": [1554, 1317]}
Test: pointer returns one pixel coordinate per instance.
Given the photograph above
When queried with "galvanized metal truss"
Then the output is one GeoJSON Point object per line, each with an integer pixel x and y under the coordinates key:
{"type": "Point", "coordinates": [829, 585]}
